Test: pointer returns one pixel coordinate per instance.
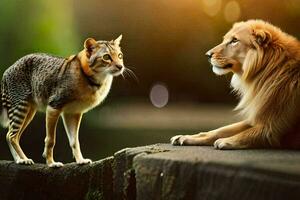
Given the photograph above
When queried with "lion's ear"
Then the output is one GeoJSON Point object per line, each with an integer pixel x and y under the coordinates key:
{"type": "Point", "coordinates": [262, 37]}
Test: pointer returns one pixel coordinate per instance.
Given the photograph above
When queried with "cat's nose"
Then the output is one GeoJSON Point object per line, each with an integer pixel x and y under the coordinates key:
{"type": "Point", "coordinates": [119, 67]}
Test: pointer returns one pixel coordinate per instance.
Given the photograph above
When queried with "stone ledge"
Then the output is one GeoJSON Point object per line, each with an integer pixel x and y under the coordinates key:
{"type": "Point", "coordinates": [69, 182]}
{"type": "Point", "coordinates": [205, 173]}
{"type": "Point", "coordinates": [161, 171]}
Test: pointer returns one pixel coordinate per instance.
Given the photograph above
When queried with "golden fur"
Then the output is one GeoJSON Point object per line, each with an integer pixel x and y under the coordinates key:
{"type": "Point", "coordinates": [265, 63]}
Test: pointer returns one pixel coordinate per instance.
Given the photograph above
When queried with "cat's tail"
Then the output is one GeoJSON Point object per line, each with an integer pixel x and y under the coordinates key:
{"type": "Point", "coordinates": [4, 121]}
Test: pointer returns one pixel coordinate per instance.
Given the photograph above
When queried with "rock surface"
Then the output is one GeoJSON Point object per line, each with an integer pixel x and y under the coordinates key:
{"type": "Point", "coordinates": [69, 182]}
{"type": "Point", "coordinates": [205, 173]}
{"type": "Point", "coordinates": [161, 171]}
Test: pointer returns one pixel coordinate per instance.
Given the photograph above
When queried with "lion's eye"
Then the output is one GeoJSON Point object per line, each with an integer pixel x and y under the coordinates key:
{"type": "Point", "coordinates": [106, 57]}
{"type": "Point", "coordinates": [234, 41]}
{"type": "Point", "coordinates": [120, 55]}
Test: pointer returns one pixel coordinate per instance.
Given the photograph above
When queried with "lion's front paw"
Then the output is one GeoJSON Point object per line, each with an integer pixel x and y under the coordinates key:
{"type": "Point", "coordinates": [84, 161]}
{"type": "Point", "coordinates": [203, 138]}
{"type": "Point", "coordinates": [225, 143]}
{"type": "Point", "coordinates": [55, 164]}
{"type": "Point", "coordinates": [178, 140]}
{"type": "Point", "coordinates": [26, 161]}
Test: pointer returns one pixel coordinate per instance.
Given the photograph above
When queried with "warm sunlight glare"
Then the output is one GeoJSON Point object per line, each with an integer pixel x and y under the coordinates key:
{"type": "Point", "coordinates": [232, 11]}
{"type": "Point", "coordinates": [211, 7]}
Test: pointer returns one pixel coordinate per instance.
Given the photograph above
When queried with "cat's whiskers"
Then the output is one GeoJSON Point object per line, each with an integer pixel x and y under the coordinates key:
{"type": "Point", "coordinates": [123, 76]}
{"type": "Point", "coordinates": [131, 74]}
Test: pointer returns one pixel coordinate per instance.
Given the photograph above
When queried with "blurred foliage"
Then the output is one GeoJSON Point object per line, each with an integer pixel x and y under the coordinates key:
{"type": "Point", "coordinates": [164, 40]}
{"type": "Point", "coordinates": [36, 26]}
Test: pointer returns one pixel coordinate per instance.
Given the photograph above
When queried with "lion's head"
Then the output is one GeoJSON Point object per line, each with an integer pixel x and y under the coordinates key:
{"type": "Point", "coordinates": [265, 63]}
{"type": "Point", "coordinates": [248, 48]}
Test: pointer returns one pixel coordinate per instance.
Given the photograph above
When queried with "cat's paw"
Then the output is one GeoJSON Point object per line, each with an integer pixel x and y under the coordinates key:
{"type": "Point", "coordinates": [26, 161]}
{"type": "Point", "coordinates": [84, 161]}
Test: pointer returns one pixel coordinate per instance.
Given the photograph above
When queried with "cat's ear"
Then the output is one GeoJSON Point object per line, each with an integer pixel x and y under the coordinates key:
{"type": "Point", "coordinates": [118, 40]}
{"type": "Point", "coordinates": [90, 44]}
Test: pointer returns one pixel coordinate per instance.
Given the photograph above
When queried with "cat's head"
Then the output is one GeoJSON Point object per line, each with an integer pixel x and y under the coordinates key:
{"type": "Point", "coordinates": [102, 57]}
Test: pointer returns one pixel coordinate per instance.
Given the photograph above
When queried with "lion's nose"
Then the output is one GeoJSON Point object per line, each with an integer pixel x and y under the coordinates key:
{"type": "Point", "coordinates": [209, 54]}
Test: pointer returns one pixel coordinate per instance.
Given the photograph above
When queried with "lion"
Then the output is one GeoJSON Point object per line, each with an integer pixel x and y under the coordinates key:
{"type": "Point", "coordinates": [265, 63]}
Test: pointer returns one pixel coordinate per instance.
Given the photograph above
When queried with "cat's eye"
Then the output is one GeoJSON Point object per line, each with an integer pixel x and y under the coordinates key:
{"type": "Point", "coordinates": [106, 57]}
{"type": "Point", "coordinates": [120, 55]}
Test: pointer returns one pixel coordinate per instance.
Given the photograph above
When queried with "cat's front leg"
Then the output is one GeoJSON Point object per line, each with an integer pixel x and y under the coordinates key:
{"type": "Point", "coordinates": [52, 116]}
{"type": "Point", "coordinates": [72, 123]}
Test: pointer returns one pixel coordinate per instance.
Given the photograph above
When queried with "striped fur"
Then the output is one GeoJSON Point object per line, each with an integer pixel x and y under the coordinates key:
{"type": "Point", "coordinates": [66, 87]}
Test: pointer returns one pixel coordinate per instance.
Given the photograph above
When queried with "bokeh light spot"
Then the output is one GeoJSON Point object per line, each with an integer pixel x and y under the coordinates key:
{"type": "Point", "coordinates": [232, 11]}
{"type": "Point", "coordinates": [159, 95]}
{"type": "Point", "coordinates": [211, 7]}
